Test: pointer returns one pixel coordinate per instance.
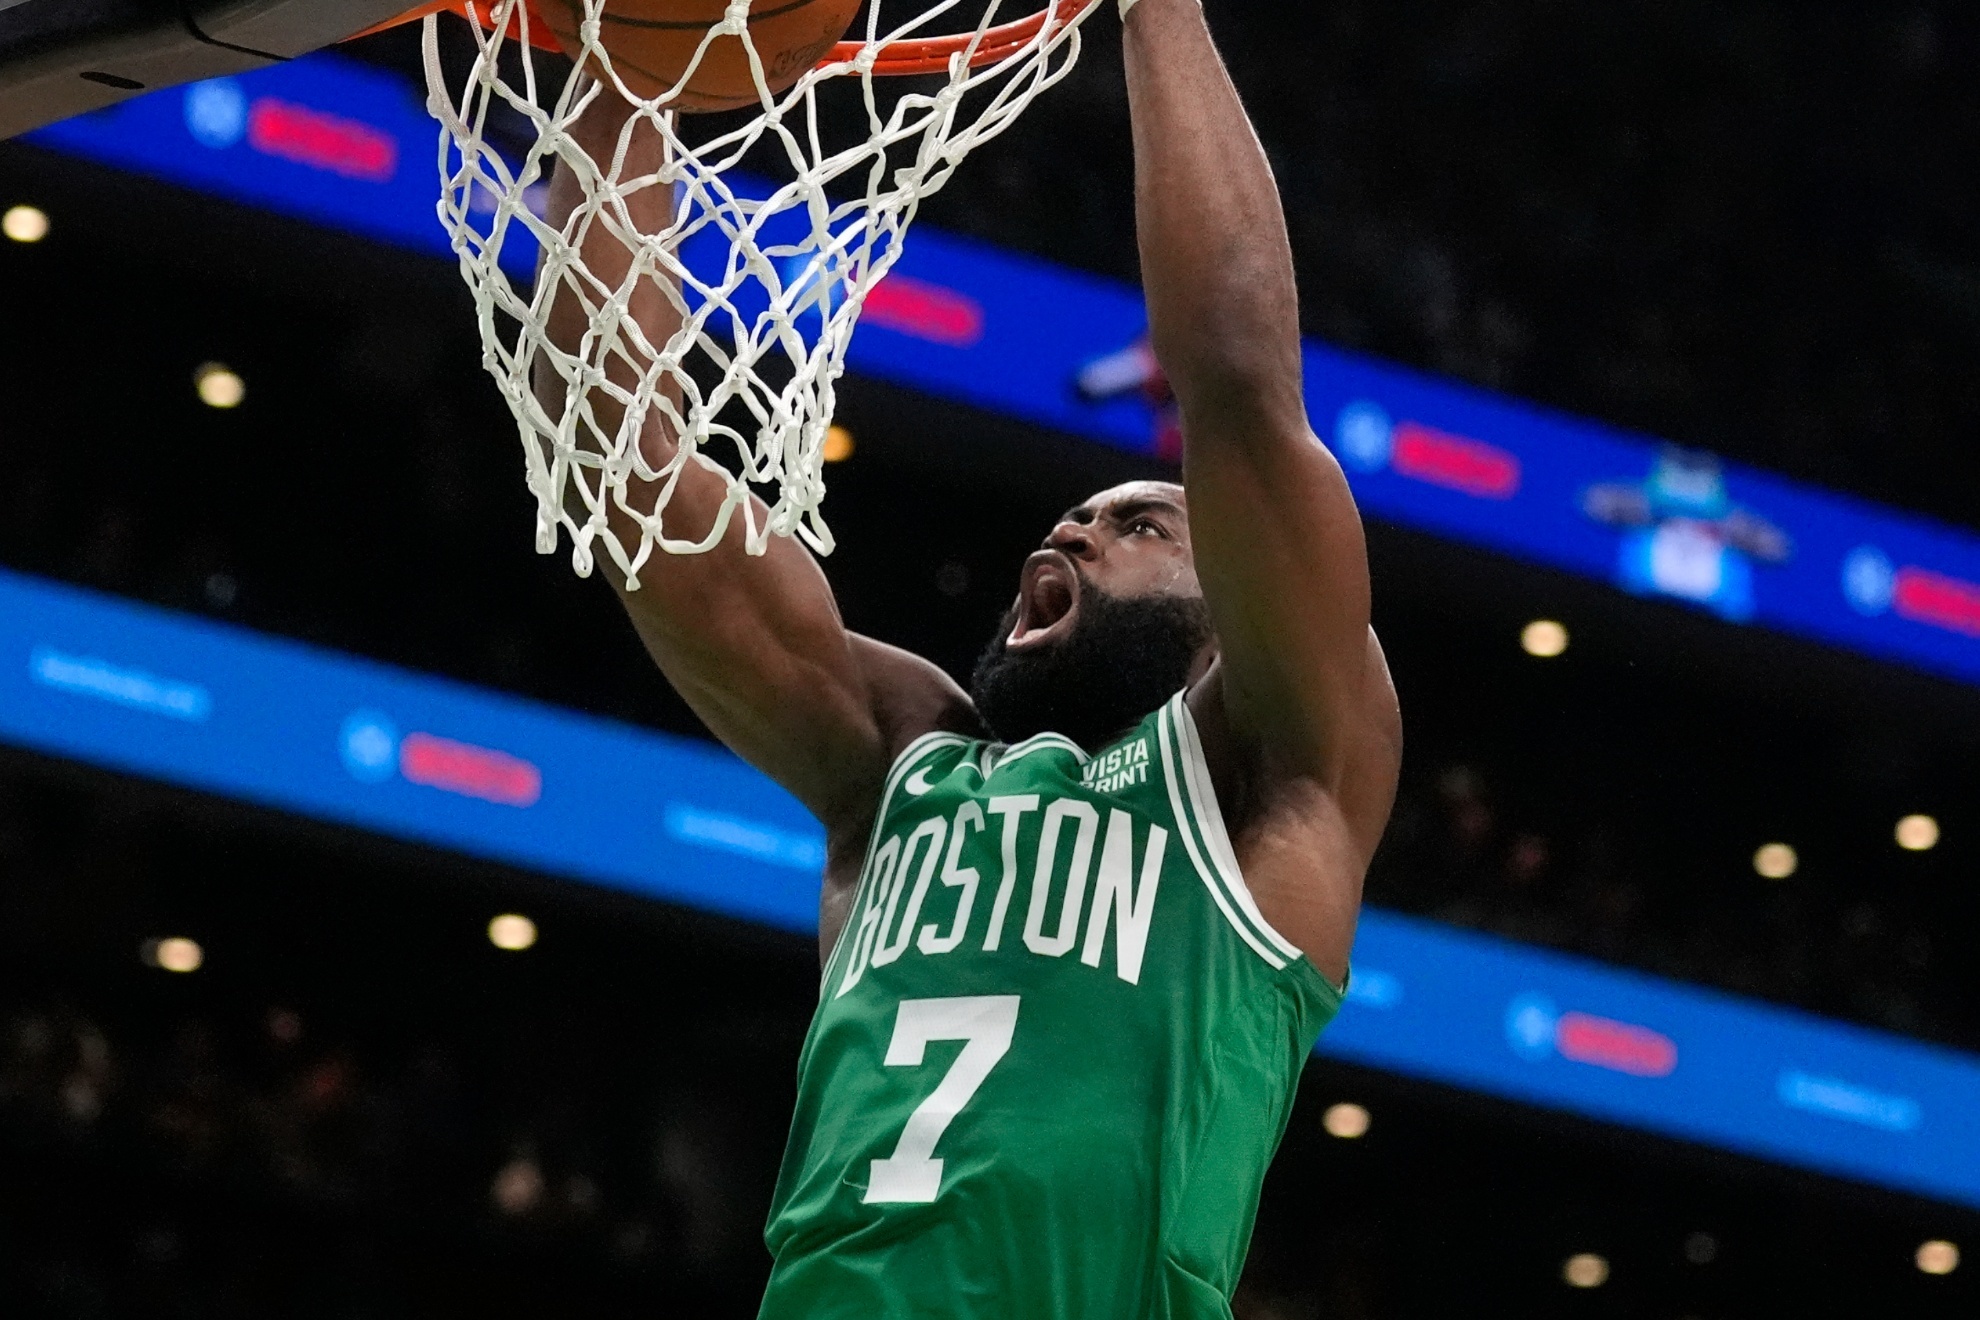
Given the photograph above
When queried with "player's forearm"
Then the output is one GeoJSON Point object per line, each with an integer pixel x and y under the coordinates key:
{"type": "Point", "coordinates": [1216, 262]}
{"type": "Point", "coordinates": [753, 643]}
{"type": "Point", "coordinates": [606, 129]}
{"type": "Point", "coordinates": [607, 257]}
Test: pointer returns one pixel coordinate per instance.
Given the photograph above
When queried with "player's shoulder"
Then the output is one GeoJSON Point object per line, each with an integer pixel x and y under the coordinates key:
{"type": "Point", "coordinates": [911, 697]}
{"type": "Point", "coordinates": [1261, 792]}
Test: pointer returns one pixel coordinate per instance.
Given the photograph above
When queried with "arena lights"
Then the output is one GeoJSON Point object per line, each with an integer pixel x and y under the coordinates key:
{"type": "Point", "coordinates": [1585, 1270]}
{"type": "Point", "coordinates": [1544, 639]}
{"type": "Point", "coordinates": [175, 954]}
{"type": "Point", "coordinates": [1937, 1257]}
{"type": "Point", "coordinates": [1918, 834]}
{"type": "Point", "coordinates": [1349, 1122]}
{"type": "Point", "coordinates": [511, 932]}
{"type": "Point", "coordinates": [25, 224]}
{"type": "Point", "coordinates": [219, 386]}
{"type": "Point", "coordinates": [838, 445]}
{"type": "Point", "coordinates": [1776, 861]}
{"type": "Point", "coordinates": [518, 1186]}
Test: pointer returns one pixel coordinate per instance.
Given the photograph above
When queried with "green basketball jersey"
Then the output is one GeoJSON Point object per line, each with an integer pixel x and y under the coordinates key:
{"type": "Point", "coordinates": [1055, 1050]}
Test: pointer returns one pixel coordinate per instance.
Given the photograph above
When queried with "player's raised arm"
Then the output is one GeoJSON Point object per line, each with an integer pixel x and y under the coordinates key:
{"type": "Point", "coordinates": [754, 643]}
{"type": "Point", "coordinates": [1278, 541]}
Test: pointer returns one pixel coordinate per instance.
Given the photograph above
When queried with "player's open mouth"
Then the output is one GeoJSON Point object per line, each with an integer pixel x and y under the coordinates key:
{"type": "Point", "coordinates": [1048, 598]}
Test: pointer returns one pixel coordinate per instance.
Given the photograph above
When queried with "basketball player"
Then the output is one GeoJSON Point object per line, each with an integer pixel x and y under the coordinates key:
{"type": "Point", "coordinates": [1082, 924]}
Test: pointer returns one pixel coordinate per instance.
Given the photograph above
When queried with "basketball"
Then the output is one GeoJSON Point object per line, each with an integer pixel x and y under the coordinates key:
{"type": "Point", "coordinates": [652, 42]}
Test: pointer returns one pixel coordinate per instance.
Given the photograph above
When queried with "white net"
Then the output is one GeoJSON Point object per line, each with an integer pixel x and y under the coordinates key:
{"type": "Point", "coordinates": [769, 276]}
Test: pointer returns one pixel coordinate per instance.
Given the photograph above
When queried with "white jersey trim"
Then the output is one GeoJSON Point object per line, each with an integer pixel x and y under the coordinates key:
{"type": "Point", "coordinates": [1186, 827]}
{"type": "Point", "coordinates": [1040, 742]}
{"type": "Point", "coordinates": [1203, 795]}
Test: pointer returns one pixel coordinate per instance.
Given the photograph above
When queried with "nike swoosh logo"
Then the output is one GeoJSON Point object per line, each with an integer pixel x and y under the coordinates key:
{"type": "Point", "coordinates": [917, 784]}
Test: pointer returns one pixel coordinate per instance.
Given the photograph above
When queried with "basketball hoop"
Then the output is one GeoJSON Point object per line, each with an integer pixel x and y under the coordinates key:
{"type": "Point", "coordinates": [769, 277]}
{"type": "Point", "coordinates": [898, 59]}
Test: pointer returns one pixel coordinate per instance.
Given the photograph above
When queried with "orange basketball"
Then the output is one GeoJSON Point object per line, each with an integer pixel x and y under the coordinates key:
{"type": "Point", "coordinates": [651, 43]}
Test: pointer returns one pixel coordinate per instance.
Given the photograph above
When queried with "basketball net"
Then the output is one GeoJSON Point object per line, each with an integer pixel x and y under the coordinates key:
{"type": "Point", "coordinates": [747, 383]}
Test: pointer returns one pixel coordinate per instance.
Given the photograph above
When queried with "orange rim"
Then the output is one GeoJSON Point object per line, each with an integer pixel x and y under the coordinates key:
{"type": "Point", "coordinates": [897, 60]}
{"type": "Point", "coordinates": [931, 54]}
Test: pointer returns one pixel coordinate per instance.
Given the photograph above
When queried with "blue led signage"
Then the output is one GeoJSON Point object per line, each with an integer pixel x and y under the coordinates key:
{"type": "Point", "coordinates": [324, 139]}
{"type": "Point", "coordinates": [251, 717]}
{"type": "Point", "coordinates": [343, 144]}
{"type": "Point", "coordinates": [1488, 1015]}
{"type": "Point", "coordinates": [215, 708]}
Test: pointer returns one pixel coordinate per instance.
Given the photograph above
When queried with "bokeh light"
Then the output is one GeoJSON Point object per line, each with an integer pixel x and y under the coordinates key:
{"type": "Point", "coordinates": [1938, 1257]}
{"type": "Point", "coordinates": [1347, 1121]}
{"type": "Point", "coordinates": [25, 224]}
{"type": "Point", "coordinates": [219, 386]}
{"type": "Point", "coordinates": [512, 932]}
{"type": "Point", "coordinates": [1776, 861]}
{"type": "Point", "coordinates": [173, 954]}
{"type": "Point", "coordinates": [1544, 639]}
{"type": "Point", "coordinates": [518, 1186]}
{"type": "Point", "coordinates": [1918, 834]}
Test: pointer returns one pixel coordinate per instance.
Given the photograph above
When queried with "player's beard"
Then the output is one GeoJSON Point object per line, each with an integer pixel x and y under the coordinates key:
{"type": "Point", "coordinates": [1123, 657]}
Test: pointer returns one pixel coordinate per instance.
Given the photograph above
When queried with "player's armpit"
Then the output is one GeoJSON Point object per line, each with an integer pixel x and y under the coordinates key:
{"type": "Point", "coordinates": [1245, 766]}
{"type": "Point", "coordinates": [1305, 845]}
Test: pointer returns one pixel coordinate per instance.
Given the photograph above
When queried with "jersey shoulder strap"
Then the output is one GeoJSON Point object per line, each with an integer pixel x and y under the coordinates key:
{"type": "Point", "coordinates": [1200, 820]}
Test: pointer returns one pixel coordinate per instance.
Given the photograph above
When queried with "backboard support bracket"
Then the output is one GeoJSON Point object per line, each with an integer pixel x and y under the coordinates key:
{"type": "Point", "coordinates": [60, 58]}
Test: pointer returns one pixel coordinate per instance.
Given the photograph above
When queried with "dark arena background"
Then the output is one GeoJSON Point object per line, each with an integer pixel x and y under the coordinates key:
{"type": "Point", "coordinates": [1648, 333]}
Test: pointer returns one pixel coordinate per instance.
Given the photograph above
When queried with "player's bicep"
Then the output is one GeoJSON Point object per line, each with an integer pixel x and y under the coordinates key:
{"type": "Point", "coordinates": [756, 647]}
{"type": "Point", "coordinates": [1280, 551]}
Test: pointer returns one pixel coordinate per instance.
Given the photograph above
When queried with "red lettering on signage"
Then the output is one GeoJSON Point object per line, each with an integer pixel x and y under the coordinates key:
{"type": "Point", "coordinates": [1455, 462]}
{"type": "Point", "coordinates": [322, 141]}
{"type": "Point", "coordinates": [475, 772]}
{"type": "Point", "coordinates": [1933, 598]}
{"type": "Point", "coordinates": [1617, 1046]}
{"type": "Point", "coordinates": [926, 311]}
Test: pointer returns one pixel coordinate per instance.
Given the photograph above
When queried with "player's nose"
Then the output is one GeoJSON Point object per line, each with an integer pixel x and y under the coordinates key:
{"type": "Point", "coordinates": [1073, 539]}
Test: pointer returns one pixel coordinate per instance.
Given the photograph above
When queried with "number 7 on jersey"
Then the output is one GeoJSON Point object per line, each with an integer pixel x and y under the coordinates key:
{"type": "Point", "coordinates": [985, 1023]}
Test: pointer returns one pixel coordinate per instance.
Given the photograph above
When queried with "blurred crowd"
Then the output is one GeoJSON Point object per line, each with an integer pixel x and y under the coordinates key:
{"type": "Point", "coordinates": [356, 1108]}
{"type": "Point", "coordinates": [224, 1165]}
{"type": "Point", "coordinates": [352, 1105]}
{"type": "Point", "coordinates": [1746, 227]}
{"type": "Point", "coordinates": [1455, 852]}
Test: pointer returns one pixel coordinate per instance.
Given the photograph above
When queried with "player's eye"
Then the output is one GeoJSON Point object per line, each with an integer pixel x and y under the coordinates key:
{"type": "Point", "coordinates": [1145, 525]}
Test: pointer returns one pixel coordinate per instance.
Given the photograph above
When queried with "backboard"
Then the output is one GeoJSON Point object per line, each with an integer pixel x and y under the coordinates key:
{"type": "Point", "coordinates": [60, 58]}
